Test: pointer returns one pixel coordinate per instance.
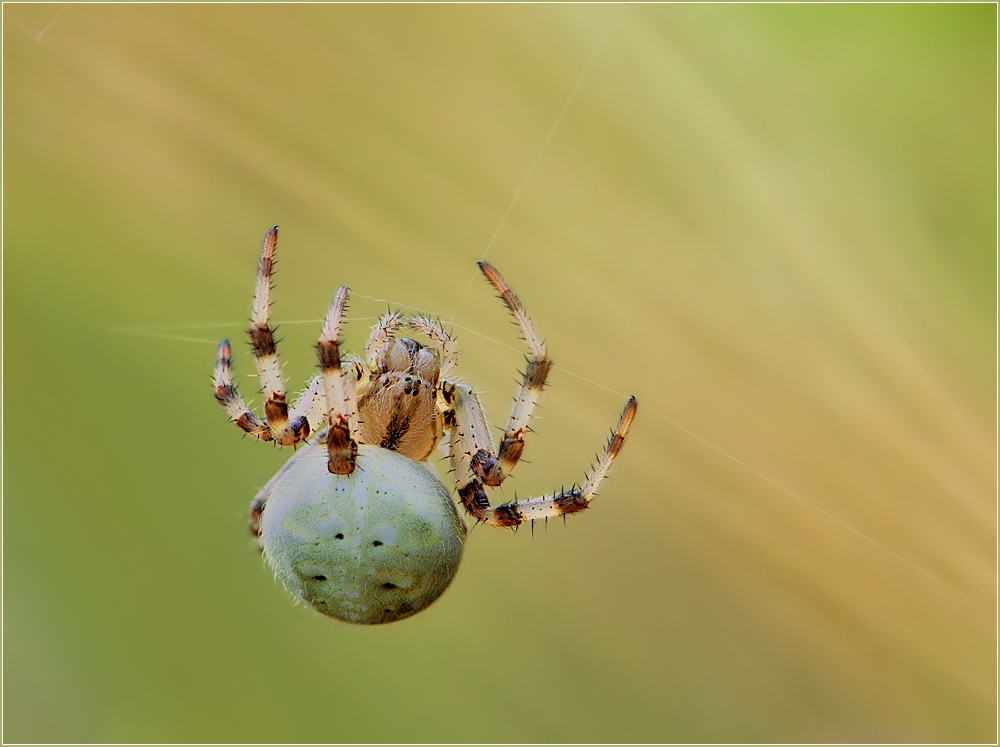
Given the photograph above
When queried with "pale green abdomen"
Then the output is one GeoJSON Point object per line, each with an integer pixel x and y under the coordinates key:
{"type": "Point", "coordinates": [372, 547]}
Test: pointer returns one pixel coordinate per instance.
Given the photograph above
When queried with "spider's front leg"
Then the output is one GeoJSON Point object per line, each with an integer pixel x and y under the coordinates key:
{"type": "Point", "coordinates": [433, 329]}
{"type": "Point", "coordinates": [382, 333]}
{"type": "Point", "coordinates": [470, 439]}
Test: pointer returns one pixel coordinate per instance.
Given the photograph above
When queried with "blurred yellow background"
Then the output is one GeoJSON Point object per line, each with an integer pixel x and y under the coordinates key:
{"type": "Point", "coordinates": [774, 225]}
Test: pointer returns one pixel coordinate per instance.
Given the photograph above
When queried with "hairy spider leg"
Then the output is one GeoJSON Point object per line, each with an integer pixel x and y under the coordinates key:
{"type": "Point", "coordinates": [599, 471]}
{"type": "Point", "coordinates": [468, 431]}
{"type": "Point", "coordinates": [494, 471]}
{"type": "Point", "coordinates": [286, 432]}
{"type": "Point", "coordinates": [342, 416]}
{"type": "Point", "coordinates": [381, 334]}
{"type": "Point", "coordinates": [433, 329]}
{"type": "Point", "coordinates": [307, 414]}
{"type": "Point", "coordinates": [311, 406]}
{"type": "Point", "coordinates": [229, 397]}
{"type": "Point", "coordinates": [470, 442]}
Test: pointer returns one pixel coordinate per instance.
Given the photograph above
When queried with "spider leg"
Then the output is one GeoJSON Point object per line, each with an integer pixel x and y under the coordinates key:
{"type": "Point", "coordinates": [228, 397]}
{"type": "Point", "coordinates": [265, 353]}
{"type": "Point", "coordinates": [470, 444]}
{"type": "Point", "coordinates": [380, 334]}
{"type": "Point", "coordinates": [311, 406]}
{"type": "Point", "coordinates": [442, 339]}
{"type": "Point", "coordinates": [512, 444]}
{"type": "Point", "coordinates": [341, 401]}
{"type": "Point", "coordinates": [599, 471]}
{"type": "Point", "coordinates": [470, 488]}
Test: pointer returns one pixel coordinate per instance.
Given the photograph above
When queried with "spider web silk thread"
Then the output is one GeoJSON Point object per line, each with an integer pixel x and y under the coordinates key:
{"type": "Point", "coordinates": [38, 37]}
{"type": "Point", "coordinates": [572, 94]}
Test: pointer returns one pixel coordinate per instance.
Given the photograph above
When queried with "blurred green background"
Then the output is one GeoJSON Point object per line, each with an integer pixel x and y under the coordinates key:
{"type": "Point", "coordinates": [774, 225]}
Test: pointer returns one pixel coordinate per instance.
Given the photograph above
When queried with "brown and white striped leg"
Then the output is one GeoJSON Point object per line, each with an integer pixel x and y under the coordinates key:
{"type": "Point", "coordinates": [265, 354]}
{"type": "Point", "coordinates": [474, 499]}
{"type": "Point", "coordinates": [311, 406]}
{"type": "Point", "coordinates": [470, 444]}
{"type": "Point", "coordinates": [433, 329]}
{"type": "Point", "coordinates": [380, 334]}
{"type": "Point", "coordinates": [599, 471]}
{"type": "Point", "coordinates": [228, 397]}
{"type": "Point", "coordinates": [535, 374]}
{"type": "Point", "coordinates": [339, 388]}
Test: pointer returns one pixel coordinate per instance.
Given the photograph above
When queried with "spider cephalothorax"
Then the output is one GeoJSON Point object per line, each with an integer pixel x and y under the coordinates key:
{"type": "Point", "coordinates": [374, 422]}
{"type": "Point", "coordinates": [398, 407]}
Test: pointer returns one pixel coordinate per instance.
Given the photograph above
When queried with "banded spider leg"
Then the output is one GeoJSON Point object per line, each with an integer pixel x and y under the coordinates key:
{"type": "Point", "coordinates": [494, 469]}
{"type": "Point", "coordinates": [433, 329]}
{"type": "Point", "coordinates": [344, 432]}
{"type": "Point", "coordinates": [284, 427]}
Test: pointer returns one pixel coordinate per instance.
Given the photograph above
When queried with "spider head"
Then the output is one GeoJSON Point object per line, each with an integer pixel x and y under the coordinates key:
{"type": "Point", "coordinates": [409, 356]}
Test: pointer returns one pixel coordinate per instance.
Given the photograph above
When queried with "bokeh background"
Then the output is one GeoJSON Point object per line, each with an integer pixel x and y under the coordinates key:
{"type": "Point", "coordinates": [774, 225]}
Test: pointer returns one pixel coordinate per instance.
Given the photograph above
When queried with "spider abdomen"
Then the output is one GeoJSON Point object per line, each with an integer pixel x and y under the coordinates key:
{"type": "Point", "coordinates": [372, 547]}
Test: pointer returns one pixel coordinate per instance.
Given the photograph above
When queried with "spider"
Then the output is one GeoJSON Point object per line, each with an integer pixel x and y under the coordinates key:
{"type": "Point", "coordinates": [357, 524]}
